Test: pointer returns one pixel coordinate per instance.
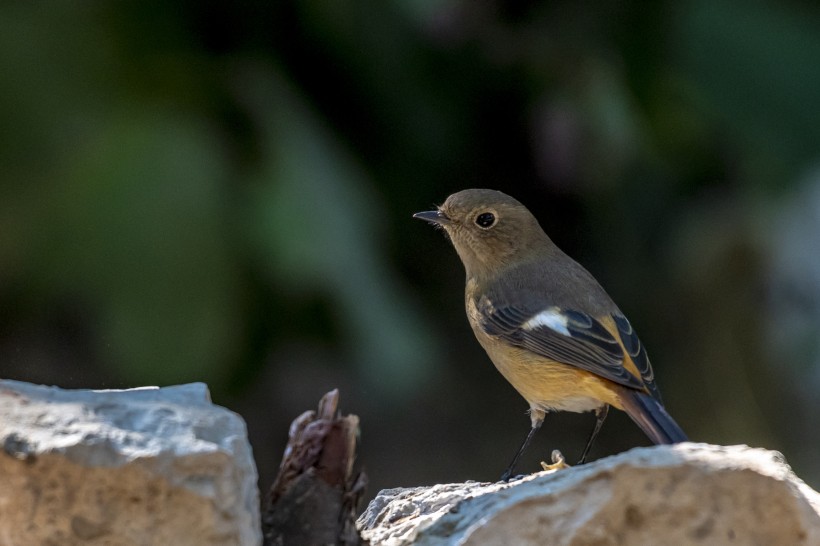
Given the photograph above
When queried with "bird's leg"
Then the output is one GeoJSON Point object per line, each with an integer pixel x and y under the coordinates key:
{"type": "Point", "coordinates": [600, 417]}
{"type": "Point", "coordinates": [537, 417]}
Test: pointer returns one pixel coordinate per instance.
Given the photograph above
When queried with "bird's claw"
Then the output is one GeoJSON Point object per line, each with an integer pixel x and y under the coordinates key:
{"type": "Point", "coordinates": [558, 461]}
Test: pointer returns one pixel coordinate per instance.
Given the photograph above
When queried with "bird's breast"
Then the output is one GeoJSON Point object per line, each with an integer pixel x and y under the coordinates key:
{"type": "Point", "coordinates": [546, 384]}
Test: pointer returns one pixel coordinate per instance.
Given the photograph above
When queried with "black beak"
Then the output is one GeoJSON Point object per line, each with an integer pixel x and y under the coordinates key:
{"type": "Point", "coordinates": [433, 216]}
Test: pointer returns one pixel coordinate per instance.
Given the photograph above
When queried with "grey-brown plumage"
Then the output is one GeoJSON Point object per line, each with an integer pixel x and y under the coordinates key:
{"type": "Point", "coordinates": [545, 322]}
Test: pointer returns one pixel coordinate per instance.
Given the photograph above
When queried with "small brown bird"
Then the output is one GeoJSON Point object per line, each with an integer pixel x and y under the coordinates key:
{"type": "Point", "coordinates": [545, 322]}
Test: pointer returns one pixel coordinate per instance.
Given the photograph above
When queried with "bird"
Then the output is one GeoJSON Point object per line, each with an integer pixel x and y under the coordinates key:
{"type": "Point", "coordinates": [545, 322]}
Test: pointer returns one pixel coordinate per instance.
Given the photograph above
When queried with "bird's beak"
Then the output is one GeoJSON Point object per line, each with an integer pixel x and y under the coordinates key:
{"type": "Point", "coordinates": [433, 216]}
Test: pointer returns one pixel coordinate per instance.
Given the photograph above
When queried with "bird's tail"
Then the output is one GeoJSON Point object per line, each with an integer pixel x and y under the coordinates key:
{"type": "Point", "coordinates": [649, 414]}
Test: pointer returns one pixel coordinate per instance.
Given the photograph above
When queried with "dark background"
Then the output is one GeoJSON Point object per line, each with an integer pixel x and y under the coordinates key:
{"type": "Point", "coordinates": [222, 192]}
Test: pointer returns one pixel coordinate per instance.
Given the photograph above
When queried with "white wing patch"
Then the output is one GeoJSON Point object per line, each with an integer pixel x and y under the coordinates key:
{"type": "Point", "coordinates": [552, 318]}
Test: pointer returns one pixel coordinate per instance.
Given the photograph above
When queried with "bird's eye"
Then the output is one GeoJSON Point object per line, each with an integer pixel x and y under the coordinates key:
{"type": "Point", "coordinates": [485, 220]}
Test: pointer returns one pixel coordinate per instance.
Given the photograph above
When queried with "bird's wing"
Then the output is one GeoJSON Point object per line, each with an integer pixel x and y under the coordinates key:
{"type": "Point", "coordinates": [637, 354]}
{"type": "Point", "coordinates": [574, 338]}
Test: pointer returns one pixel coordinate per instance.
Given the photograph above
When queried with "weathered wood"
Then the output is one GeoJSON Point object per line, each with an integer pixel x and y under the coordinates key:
{"type": "Point", "coordinates": [315, 496]}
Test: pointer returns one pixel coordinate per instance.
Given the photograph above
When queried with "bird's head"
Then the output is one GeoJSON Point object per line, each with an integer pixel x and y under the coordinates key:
{"type": "Point", "coordinates": [489, 229]}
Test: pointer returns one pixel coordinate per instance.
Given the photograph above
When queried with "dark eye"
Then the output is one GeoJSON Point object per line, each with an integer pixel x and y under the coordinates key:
{"type": "Point", "coordinates": [485, 220]}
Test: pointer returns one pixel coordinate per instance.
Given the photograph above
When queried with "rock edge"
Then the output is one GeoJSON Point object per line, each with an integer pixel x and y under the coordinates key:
{"type": "Point", "coordinates": [682, 494]}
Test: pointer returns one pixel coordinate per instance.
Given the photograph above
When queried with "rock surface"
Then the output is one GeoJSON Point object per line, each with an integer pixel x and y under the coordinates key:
{"type": "Point", "coordinates": [683, 494]}
{"type": "Point", "coordinates": [134, 467]}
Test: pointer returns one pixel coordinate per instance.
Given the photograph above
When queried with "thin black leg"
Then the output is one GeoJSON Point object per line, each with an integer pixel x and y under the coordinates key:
{"type": "Point", "coordinates": [600, 417]}
{"type": "Point", "coordinates": [509, 472]}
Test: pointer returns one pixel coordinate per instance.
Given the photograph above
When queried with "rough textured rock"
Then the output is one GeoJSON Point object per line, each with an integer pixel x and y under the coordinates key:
{"type": "Point", "coordinates": [134, 467]}
{"type": "Point", "coordinates": [683, 494]}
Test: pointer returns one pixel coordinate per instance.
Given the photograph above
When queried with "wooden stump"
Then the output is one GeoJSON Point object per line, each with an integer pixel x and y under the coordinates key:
{"type": "Point", "coordinates": [315, 497]}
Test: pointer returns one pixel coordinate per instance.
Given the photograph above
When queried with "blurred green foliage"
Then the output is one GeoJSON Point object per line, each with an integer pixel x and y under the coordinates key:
{"type": "Point", "coordinates": [196, 191]}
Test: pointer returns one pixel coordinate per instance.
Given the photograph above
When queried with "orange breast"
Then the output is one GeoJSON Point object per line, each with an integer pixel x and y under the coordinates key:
{"type": "Point", "coordinates": [547, 384]}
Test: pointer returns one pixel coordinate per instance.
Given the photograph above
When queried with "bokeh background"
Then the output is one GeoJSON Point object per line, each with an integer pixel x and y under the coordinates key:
{"type": "Point", "coordinates": [222, 192]}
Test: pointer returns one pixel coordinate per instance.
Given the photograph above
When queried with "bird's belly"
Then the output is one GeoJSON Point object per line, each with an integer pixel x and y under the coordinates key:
{"type": "Point", "coordinates": [549, 385]}
{"type": "Point", "coordinates": [577, 404]}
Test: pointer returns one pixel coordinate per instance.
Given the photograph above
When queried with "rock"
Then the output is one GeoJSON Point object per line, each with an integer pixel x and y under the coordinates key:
{"type": "Point", "coordinates": [682, 494]}
{"type": "Point", "coordinates": [133, 467]}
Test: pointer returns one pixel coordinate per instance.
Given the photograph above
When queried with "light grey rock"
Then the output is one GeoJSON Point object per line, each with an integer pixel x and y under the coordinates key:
{"type": "Point", "coordinates": [133, 467]}
{"type": "Point", "coordinates": [683, 494]}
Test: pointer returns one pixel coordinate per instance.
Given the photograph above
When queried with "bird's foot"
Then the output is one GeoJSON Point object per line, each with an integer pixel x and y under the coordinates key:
{"type": "Point", "coordinates": [558, 461]}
